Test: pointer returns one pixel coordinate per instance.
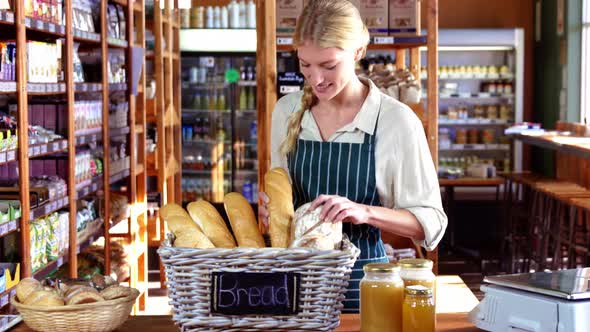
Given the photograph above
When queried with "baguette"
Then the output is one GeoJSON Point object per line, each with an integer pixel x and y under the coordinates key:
{"type": "Point", "coordinates": [280, 206]}
{"type": "Point", "coordinates": [211, 223]}
{"type": "Point", "coordinates": [188, 234]}
{"type": "Point", "coordinates": [173, 209]}
{"type": "Point", "coordinates": [242, 220]}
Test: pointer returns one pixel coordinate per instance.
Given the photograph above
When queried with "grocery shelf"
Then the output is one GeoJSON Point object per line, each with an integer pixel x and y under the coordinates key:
{"type": "Point", "coordinates": [83, 244]}
{"type": "Point", "coordinates": [113, 132]}
{"type": "Point", "coordinates": [477, 147]}
{"type": "Point", "coordinates": [246, 83]}
{"type": "Point", "coordinates": [49, 208]}
{"type": "Point", "coordinates": [117, 87]}
{"type": "Point", "coordinates": [9, 227]}
{"type": "Point", "coordinates": [86, 37]}
{"type": "Point", "coordinates": [7, 87]}
{"type": "Point", "coordinates": [6, 17]}
{"type": "Point", "coordinates": [7, 156]}
{"type": "Point", "coordinates": [119, 176]}
{"type": "Point", "coordinates": [6, 295]}
{"type": "Point", "coordinates": [90, 186]}
{"type": "Point", "coordinates": [476, 122]}
{"type": "Point", "coordinates": [87, 87]}
{"type": "Point", "coordinates": [88, 136]}
{"type": "Point", "coordinates": [199, 110]}
{"type": "Point", "coordinates": [46, 89]}
{"type": "Point", "coordinates": [473, 78]}
{"type": "Point", "coordinates": [41, 150]}
{"type": "Point", "coordinates": [42, 29]}
{"type": "Point", "coordinates": [117, 43]}
{"type": "Point", "coordinates": [43, 272]}
{"type": "Point", "coordinates": [215, 40]}
{"type": "Point", "coordinates": [473, 96]}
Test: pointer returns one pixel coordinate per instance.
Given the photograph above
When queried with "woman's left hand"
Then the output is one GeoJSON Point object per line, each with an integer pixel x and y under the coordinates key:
{"type": "Point", "coordinates": [340, 209]}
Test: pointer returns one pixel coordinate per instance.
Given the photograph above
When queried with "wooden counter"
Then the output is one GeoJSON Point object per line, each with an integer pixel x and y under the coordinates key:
{"type": "Point", "coordinates": [453, 300]}
{"type": "Point", "coordinates": [579, 146]}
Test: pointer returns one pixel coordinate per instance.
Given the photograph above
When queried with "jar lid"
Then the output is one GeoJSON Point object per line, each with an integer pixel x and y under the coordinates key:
{"type": "Point", "coordinates": [416, 263]}
{"type": "Point", "coordinates": [418, 290]}
{"type": "Point", "coordinates": [381, 267]}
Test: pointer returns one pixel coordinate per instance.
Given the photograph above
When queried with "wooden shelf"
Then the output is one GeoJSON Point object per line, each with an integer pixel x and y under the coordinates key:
{"type": "Point", "coordinates": [6, 295]}
{"type": "Point", "coordinates": [87, 87]}
{"type": "Point", "coordinates": [83, 244]}
{"type": "Point", "coordinates": [139, 129]}
{"type": "Point", "coordinates": [6, 18]}
{"type": "Point", "coordinates": [39, 29]}
{"type": "Point", "coordinates": [120, 2]}
{"type": "Point", "coordinates": [117, 87]}
{"type": "Point", "coordinates": [285, 44]}
{"type": "Point", "coordinates": [9, 227]}
{"type": "Point", "coordinates": [87, 37]}
{"type": "Point", "coordinates": [42, 150]}
{"type": "Point", "coordinates": [88, 136]}
{"type": "Point", "coordinates": [117, 43]}
{"type": "Point", "coordinates": [90, 187]}
{"type": "Point", "coordinates": [119, 176]}
{"type": "Point", "coordinates": [48, 208]}
{"type": "Point", "coordinates": [114, 132]}
{"type": "Point", "coordinates": [139, 169]}
{"type": "Point", "coordinates": [43, 272]}
{"type": "Point", "coordinates": [46, 89]}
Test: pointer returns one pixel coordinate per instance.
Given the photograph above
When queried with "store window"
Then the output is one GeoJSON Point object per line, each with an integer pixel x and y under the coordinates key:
{"type": "Point", "coordinates": [585, 93]}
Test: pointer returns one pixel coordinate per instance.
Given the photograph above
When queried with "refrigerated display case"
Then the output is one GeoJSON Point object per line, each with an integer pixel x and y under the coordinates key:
{"type": "Point", "coordinates": [481, 77]}
{"type": "Point", "coordinates": [219, 126]}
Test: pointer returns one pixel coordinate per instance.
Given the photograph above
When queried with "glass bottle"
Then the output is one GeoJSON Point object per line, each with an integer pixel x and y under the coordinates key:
{"type": "Point", "coordinates": [382, 295]}
{"type": "Point", "coordinates": [243, 99]}
{"type": "Point", "coordinates": [251, 98]}
{"type": "Point", "coordinates": [417, 271]}
{"type": "Point", "coordinates": [418, 311]}
{"type": "Point", "coordinates": [221, 101]}
{"type": "Point", "coordinates": [212, 101]}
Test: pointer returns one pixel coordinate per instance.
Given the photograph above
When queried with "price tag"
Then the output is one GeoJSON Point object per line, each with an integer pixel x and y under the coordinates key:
{"type": "Point", "coordinates": [10, 155]}
{"type": "Point", "coordinates": [465, 95]}
{"type": "Point", "coordinates": [31, 151]}
{"type": "Point", "coordinates": [2, 157]}
{"type": "Point", "coordinates": [4, 300]}
{"type": "Point", "coordinates": [43, 148]}
{"type": "Point", "coordinates": [472, 121]}
{"type": "Point", "coordinates": [3, 228]}
{"type": "Point", "coordinates": [86, 191]}
{"type": "Point", "coordinates": [82, 139]}
{"type": "Point", "coordinates": [54, 146]}
{"type": "Point", "coordinates": [10, 16]}
{"type": "Point", "coordinates": [77, 250]}
{"type": "Point", "coordinates": [284, 41]}
{"type": "Point", "coordinates": [28, 22]}
{"type": "Point", "coordinates": [60, 261]}
{"type": "Point", "coordinates": [93, 138]}
{"type": "Point", "coordinates": [36, 150]}
{"type": "Point", "coordinates": [11, 225]}
{"type": "Point", "coordinates": [47, 209]}
{"type": "Point", "coordinates": [64, 144]}
{"type": "Point", "coordinates": [382, 40]}
{"type": "Point", "coordinates": [51, 27]}
{"type": "Point", "coordinates": [39, 25]}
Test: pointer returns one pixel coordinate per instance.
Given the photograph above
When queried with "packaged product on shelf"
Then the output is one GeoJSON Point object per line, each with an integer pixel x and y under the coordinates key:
{"type": "Point", "coordinates": [492, 112]}
{"type": "Point", "coordinates": [7, 61]}
{"type": "Point", "coordinates": [404, 17]}
{"type": "Point", "coordinates": [112, 21]}
{"type": "Point", "coordinates": [64, 228]}
{"type": "Point", "coordinates": [287, 13]}
{"type": "Point", "coordinates": [185, 18]}
{"type": "Point", "coordinates": [122, 23]}
{"type": "Point", "coordinates": [375, 13]}
{"type": "Point", "coordinates": [53, 235]}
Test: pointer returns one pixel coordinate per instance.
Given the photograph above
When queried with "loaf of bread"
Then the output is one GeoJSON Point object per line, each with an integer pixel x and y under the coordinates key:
{"type": "Point", "coordinates": [84, 296]}
{"type": "Point", "coordinates": [327, 236]}
{"type": "Point", "coordinates": [242, 220]}
{"type": "Point", "coordinates": [211, 223]}
{"type": "Point", "coordinates": [188, 234]}
{"type": "Point", "coordinates": [280, 206]}
{"type": "Point", "coordinates": [115, 292]}
{"type": "Point", "coordinates": [26, 287]}
{"type": "Point", "coordinates": [173, 209]}
{"type": "Point", "coordinates": [44, 298]}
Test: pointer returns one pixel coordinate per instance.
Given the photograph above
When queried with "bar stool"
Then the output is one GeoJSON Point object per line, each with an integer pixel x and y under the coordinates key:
{"type": "Point", "coordinates": [577, 233]}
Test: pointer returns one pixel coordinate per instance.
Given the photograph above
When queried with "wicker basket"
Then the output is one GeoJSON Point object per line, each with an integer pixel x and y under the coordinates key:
{"type": "Point", "coordinates": [92, 317]}
{"type": "Point", "coordinates": [324, 278]}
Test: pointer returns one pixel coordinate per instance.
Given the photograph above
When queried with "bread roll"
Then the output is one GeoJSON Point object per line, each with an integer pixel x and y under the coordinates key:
{"type": "Point", "coordinates": [280, 206]}
{"type": "Point", "coordinates": [173, 209]}
{"type": "Point", "coordinates": [25, 287]}
{"type": "Point", "coordinates": [211, 223]}
{"type": "Point", "coordinates": [44, 298]}
{"type": "Point", "coordinates": [242, 220]}
{"type": "Point", "coordinates": [187, 233]}
{"type": "Point", "coordinates": [74, 290]}
{"type": "Point", "coordinates": [115, 292]}
{"type": "Point", "coordinates": [326, 237]}
{"type": "Point", "coordinates": [84, 296]}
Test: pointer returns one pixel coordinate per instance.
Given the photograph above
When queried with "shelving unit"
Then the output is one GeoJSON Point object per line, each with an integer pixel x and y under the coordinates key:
{"type": "Point", "coordinates": [163, 114]}
{"type": "Point", "coordinates": [67, 93]}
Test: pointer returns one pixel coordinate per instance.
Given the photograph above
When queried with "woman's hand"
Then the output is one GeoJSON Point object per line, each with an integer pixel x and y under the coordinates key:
{"type": "Point", "coordinates": [263, 214]}
{"type": "Point", "coordinates": [340, 209]}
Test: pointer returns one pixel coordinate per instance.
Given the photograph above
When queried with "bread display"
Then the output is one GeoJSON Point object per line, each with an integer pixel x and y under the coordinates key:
{"type": "Point", "coordinates": [325, 237]}
{"type": "Point", "coordinates": [242, 220]}
{"type": "Point", "coordinates": [212, 224]}
{"type": "Point", "coordinates": [27, 286]}
{"type": "Point", "coordinates": [280, 206]}
{"type": "Point", "coordinates": [54, 293]}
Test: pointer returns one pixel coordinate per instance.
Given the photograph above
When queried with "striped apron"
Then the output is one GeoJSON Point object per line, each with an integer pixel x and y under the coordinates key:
{"type": "Point", "coordinates": [348, 170]}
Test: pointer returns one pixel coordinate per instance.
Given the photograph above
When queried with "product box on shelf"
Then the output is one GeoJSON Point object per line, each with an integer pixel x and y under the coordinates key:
{"type": "Point", "coordinates": [375, 15]}
{"type": "Point", "coordinates": [287, 13]}
{"type": "Point", "coordinates": [404, 17]}
{"type": "Point", "coordinates": [9, 275]}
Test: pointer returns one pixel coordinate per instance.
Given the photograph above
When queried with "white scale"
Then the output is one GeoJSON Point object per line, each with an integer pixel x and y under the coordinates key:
{"type": "Point", "coordinates": [556, 301]}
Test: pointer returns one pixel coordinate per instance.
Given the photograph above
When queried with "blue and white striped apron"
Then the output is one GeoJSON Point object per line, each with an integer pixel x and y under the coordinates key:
{"type": "Point", "coordinates": [348, 170]}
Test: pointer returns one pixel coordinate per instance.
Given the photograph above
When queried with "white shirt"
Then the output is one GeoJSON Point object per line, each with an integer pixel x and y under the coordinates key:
{"type": "Point", "coordinates": [405, 174]}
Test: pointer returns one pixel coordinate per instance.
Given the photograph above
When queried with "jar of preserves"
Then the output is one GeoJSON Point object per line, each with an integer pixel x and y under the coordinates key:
{"type": "Point", "coordinates": [472, 136]}
{"type": "Point", "coordinates": [417, 271]}
{"type": "Point", "coordinates": [418, 310]}
{"type": "Point", "coordinates": [488, 136]}
{"type": "Point", "coordinates": [492, 112]}
{"type": "Point", "coordinates": [382, 295]}
{"type": "Point", "coordinates": [461, 136]}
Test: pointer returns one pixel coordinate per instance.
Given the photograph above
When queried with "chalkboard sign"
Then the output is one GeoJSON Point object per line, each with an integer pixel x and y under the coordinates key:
{"type": "Point", "coordinates": [243, 293]}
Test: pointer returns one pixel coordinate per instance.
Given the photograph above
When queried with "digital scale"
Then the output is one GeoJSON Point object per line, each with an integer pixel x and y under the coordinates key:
{"type": "Point", "coordinates": [536, 302]}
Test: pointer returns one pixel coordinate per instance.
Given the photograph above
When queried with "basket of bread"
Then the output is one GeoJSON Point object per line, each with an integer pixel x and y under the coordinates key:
{"type": "Point", "coordinates": [224, 278]}
{"type": "Point", "coordinates": [99, 304]}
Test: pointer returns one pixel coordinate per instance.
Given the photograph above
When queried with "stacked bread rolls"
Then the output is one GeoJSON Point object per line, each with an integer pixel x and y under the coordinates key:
{"type": "Point", "coordinates": [31, 292]}
{"type": "Point", "coordinates": [203, 227]}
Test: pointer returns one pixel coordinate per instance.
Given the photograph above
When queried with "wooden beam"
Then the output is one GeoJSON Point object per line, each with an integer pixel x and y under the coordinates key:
{"type": "Point", "coordinates": [23, 139]}
{"type": "Point", "coordinates": [400, 58]}
{"type": "Point", "coordinates": [266, 75]}
{"type": "Point", "coordinates": [106, 140]}
{"type": "Point", "coordinates": [432, 107]}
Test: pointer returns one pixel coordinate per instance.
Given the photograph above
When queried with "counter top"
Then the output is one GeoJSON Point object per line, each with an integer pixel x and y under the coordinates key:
{"type": "Point", "coordinates": [453, 300]}
{"type": "Point", "coordinates": [575, 145]}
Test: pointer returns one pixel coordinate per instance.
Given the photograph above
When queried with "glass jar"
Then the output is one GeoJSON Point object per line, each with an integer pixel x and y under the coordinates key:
{"type": "Point", "coordinates": [382, 295]}
{"type": "Point", "coordinates": [418, 310]}
{"type": "Point", "coordinates": [417, 271]}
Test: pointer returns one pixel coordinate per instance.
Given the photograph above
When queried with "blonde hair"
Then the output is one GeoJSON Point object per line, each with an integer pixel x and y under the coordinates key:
{"type": "Point", "coordinates": [324, 23]}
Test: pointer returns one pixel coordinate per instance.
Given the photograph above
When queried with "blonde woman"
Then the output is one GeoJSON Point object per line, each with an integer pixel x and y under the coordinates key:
{"type": "Point", "coordinates": [351, 149]}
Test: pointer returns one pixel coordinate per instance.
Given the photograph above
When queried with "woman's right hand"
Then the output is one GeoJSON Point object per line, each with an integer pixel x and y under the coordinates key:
{"type": "Point", "coordinates": [263, 214]}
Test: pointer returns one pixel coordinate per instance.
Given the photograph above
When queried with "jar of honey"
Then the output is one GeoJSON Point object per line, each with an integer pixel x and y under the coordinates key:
{"type": "Point", "coordinates": [418, 310]}
{"type": "Point", "coordinates": [417, 271]}
{"type": "Point", "coordinates": [382, 295]}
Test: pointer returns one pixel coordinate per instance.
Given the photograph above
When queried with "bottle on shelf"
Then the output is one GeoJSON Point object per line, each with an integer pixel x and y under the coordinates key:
{"type": "Point", "coordinates": [251, 98]}
{"type": "Point", "coordinates": [224, 17]}
{"type": "Point", "coordinates": [212, 100]}
{"type": "Point", "coordinates": [243, 98]}
{"type": "Point", "coordinates": [251, 15]}
{"type": "Point", "coordinates": [217, 17]}
{"type": "Point", "coordinates": [209, 18]}
{"type": "Point", "coordinates": [206, 130]}
{"type": "Point", "coordinates": [234, 15]}
{"type": "Point", "coordinates": [242, 13]}
{"type": "Point", "coordinates": [221, 101]}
